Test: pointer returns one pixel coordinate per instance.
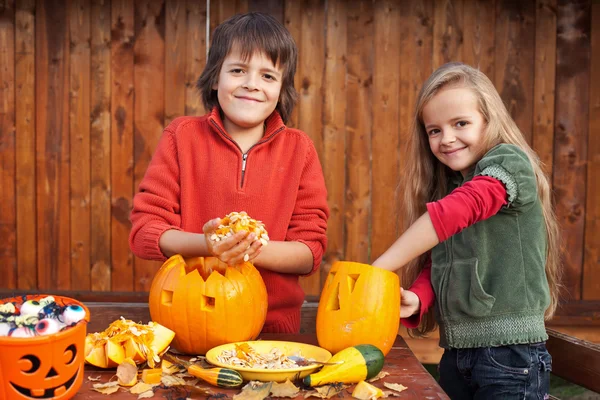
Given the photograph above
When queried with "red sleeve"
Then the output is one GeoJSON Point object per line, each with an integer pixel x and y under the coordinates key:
{"type": "Point", "coordinates": [156, 207]}
{"type": "Point", "coordinates": [423, 289]}
{"type": "Point", "coordinates": [308, 224]}
{"type": "Point", "coordinates": [475, 201]}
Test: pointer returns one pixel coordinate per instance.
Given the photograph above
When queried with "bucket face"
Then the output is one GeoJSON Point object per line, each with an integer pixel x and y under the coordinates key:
{"type": "Point", "coordinates": [43, 367]}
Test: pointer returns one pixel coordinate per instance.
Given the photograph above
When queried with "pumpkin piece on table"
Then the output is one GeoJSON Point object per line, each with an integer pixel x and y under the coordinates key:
{"type": "Point", "coordinates": [366, 391]}
{"type": "Point", "coordinates": [126, 339]}
{"type": "Point", "coordinates": [355, 298]}
{"type": "Point", "coordinates": [207, 302]}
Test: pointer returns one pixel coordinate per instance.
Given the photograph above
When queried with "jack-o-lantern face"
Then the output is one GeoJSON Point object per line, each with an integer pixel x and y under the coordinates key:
{"type": "Point", "coordinates": [359, 304]}
{"type": "Point", "coordinates": [208, 303]}
{"type": "Point", "coordinates": [42, 367]}
{"type": "Point", "coordinates": [47, 377]}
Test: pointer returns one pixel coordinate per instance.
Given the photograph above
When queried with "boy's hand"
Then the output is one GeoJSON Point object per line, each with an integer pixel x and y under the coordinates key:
{"type": "Point", "coordinates": [239, 247]}
{"type": "Point", "coordinates": [410, 303]}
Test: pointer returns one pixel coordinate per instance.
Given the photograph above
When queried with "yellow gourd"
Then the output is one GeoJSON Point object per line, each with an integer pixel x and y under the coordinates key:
{"type": "Point", "coordinates": [360, 362]}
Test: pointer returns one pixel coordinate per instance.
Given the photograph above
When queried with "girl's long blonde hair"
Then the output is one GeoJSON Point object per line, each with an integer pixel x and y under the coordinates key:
{"type": "Point", "coordinates": [427, 177]}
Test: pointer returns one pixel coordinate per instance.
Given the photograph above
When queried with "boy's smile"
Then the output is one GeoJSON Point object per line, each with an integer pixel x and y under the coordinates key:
{"type": "Point", "coordinates": [455, 128]}
{"type": "Point", "coordinates": [248, 91]}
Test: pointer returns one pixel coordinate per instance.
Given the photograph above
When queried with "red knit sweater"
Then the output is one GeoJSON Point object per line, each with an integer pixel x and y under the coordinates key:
{"type": "Point", "coordinates": [196, 174]}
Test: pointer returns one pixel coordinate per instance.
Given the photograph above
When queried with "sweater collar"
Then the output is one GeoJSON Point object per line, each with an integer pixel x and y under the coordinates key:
{"type": "Point", "coordinates": [273, 123]}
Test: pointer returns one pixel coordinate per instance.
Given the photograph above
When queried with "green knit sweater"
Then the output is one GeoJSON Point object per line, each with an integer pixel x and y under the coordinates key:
{"type": "Point", "coordinates": [489, 279]}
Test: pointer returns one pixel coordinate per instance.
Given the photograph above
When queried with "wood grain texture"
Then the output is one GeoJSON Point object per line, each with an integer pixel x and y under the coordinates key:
{"type": "Point", "coordinates": [121, 143]}
{"type": "Point", "coordinates": [360, 30]}
{"type": "Point", "coordinates": [544, 83]}
{"type": "Point", "coordinates": [479, 44]}
{"type": "Point", "coordinates": [25, 173]}
{"type": "Point", "coordinates": [416, 20]}
{"type": "Point", "coordinates": [311, 61]}
{"type": "Point", "coordinates": [571, 130]}
{"type": "Point", "coordinates": [175, 59]}
{"type": "Point", "coordinates": [272, 7]}
{"type": "Point", "coordinates": [196, 55]}
{"type": "Point", "coordinates": [385, 108]}
{"type": "Point", "coordinates": [149, 115]}
{"type": "Point", "coordinates": [448, 32]}
{"type": "Point", "coordinates": [100, 251]}
{"type": "Point", "coordinates": [515, 60]}
{"type": "Point", "coordinates": [591, 255]}
{"type": "Point", "coordinates": [52, 146]}
{"type": "Point", "coordinates": [334, 131]}
{"type": "Point", "coordinates": [8, 212]}
{"type": "Point", "coordinates": [293, 23]}
{"type": "Point", "coordinates": [574, 359]}
{"type": "Point", "coordinates": [79, 129]}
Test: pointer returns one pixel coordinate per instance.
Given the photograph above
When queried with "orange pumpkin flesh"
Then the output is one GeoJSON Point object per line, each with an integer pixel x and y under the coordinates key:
{"type": "Point", "coordinates": [359, 304]}
{"type": "Point", "coordinates": [126, 339]}
{"type": "Point", "coordinates": [208, 303]}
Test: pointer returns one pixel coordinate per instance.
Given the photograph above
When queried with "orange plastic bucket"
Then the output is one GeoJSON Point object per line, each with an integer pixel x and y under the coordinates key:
{"type": "Point", "coordinates": [43, 367]}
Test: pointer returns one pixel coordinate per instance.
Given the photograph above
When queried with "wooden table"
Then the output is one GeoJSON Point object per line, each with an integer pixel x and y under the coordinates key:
{"type": "Point", "coordinates": [402, 365]}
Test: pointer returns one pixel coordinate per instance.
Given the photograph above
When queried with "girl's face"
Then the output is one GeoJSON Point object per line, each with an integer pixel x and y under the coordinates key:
{"type": "Point", "coordinates": [247, 90]}
{"type": "Point", "coordinates": [455, 128]}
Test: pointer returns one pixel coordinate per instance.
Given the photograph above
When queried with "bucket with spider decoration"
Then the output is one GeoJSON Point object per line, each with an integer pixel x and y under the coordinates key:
{"type": "Point", "coordinates": [42, 350]}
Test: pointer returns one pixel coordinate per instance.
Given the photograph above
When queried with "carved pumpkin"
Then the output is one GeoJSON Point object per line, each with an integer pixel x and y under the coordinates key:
{"type": "Point", "coordinates": [359, 304]}
{"type": "Point", "coordinates": [43, 367]}
{"type": "Point", "coordinates": [208, 303]}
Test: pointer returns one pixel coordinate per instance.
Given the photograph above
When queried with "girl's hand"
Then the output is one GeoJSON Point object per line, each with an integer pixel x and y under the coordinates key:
{"type": "Point", "coordinates": [410, 303]}
{"type": "Point", "coordinates": [239, 247]}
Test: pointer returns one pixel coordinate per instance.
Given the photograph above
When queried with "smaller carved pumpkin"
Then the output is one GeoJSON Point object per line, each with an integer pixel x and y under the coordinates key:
{"type": "Point", "coordinates": [208, 303]}
{"type": "Point", "coordinates": [43, 367]}
{"type": "Point", "coordinates": [359, 304]}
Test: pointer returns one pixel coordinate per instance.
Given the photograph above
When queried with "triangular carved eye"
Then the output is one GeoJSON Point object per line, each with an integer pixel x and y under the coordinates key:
{"type": "Point", "coordinates": [352, 278]}
{"type": "Point", "coordinates": [333, 303]}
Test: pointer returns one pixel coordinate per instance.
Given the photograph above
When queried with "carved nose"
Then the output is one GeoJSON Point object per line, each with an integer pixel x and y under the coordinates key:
{"type": "Point", "coordinates": [51, 373]}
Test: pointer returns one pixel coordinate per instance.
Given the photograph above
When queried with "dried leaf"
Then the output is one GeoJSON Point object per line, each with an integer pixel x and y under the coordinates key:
{"type": "Point", "coordinates": [170, 380]}
{"type": "Point", "coordinates": [94, 379]}
{"type": "Point", "coordinates": [395, 386]}
{"type": "Point", "coordinates": [381, 374]}
{"type": "Point", "coordinates": [286, 389]}
{"type": "Point", "coordinates": [146, 395]}
{"type": "Point", "coordinates": [254, 391]}
{"type": "Point", "coordinates": [127, 373]}
{"type": "Point", "coordinates": [106, 388]}
{"type": "Point", "coordinates": [390, 393]}
{"type": "Point", "coordinates": [141, 387]}
{"type": "Point", "coordinates": [326, 391]}
{"type": "Point", "coordinates": [105, 385]}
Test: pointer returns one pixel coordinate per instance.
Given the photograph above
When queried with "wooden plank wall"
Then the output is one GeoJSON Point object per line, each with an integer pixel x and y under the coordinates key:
{"type": "Point", "coordinates": [86, 89]}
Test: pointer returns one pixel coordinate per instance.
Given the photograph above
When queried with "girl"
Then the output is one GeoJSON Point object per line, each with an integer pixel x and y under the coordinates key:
{"type": "Point", "coordinates": [481, 203]}
{"type": "Point", "coordinates": [240, 157]}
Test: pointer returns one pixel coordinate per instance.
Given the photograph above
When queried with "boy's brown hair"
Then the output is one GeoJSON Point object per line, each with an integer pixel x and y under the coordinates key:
{"type": "Point", "coordinates": [252, 32]}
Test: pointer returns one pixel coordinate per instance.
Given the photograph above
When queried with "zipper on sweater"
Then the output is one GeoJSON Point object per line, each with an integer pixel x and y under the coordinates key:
{"type": "Point", "coordinates": [244, 158]}
{"type": "Point", "coordinates": [244, 155]}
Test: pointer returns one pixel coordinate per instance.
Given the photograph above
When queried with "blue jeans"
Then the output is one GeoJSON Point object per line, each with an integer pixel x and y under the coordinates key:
{"type": "Point", "coordinates": [519, 371]}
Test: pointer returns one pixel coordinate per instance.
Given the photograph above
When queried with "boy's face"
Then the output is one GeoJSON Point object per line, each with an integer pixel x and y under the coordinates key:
{"type": "Point", "coordinates": [455, 128]}
{"type": "Point", "coordinates": [248, 90]}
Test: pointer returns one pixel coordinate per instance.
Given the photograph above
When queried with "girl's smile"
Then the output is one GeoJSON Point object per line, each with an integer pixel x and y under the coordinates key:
{"type": "Point", "coordinates": [455, 128]}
